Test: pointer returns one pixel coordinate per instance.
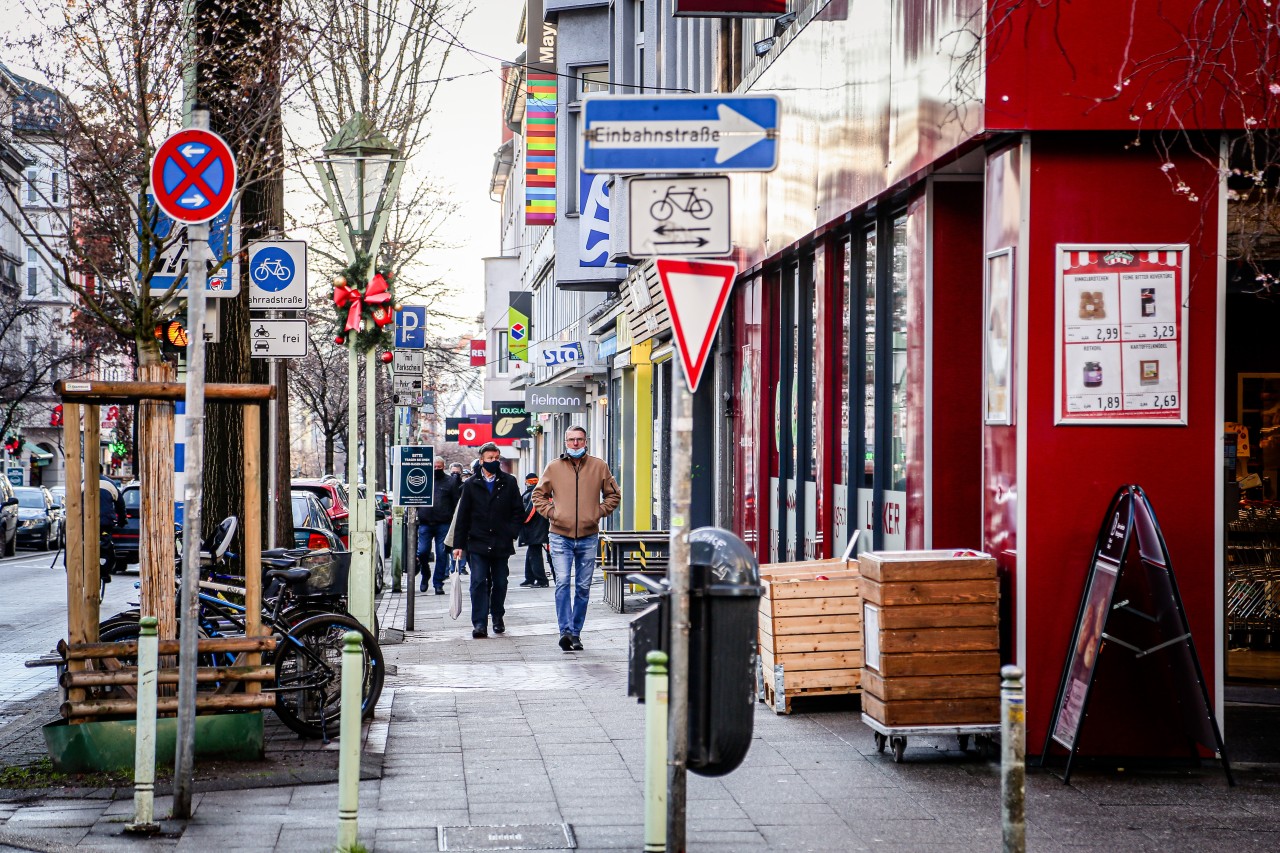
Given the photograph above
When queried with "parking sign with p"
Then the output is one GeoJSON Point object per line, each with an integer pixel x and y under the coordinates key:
{"type": "Point", "coordinates": [411, 327]}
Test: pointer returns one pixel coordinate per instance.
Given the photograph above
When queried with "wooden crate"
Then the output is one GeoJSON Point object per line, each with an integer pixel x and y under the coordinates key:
{"type": "Point", "coordinates": [810, 631]}
{"type": "Point", "coordinates": [932, 650]}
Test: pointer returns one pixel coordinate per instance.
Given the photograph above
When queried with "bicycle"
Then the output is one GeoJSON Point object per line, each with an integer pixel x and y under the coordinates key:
{"type": "Point", "coordinates": [687, 201]}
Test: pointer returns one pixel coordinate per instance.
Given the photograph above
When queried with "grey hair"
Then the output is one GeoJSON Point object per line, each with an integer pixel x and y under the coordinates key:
{"type": "Point", "coordinates": [576, 428]}
{"type": "Point", "coordinates": [486, 447]}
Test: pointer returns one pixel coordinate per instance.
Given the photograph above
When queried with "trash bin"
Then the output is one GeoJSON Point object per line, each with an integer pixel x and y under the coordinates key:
{"type": "Point", "coordinates": [648, 632]}
{"type": "Point", "coordinates": [724, 599]}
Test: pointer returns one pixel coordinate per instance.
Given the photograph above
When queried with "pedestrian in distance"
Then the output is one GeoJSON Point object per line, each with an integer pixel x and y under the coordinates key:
{"type": "Point", "coordinates": [575, 492]}
{"type": "Point", "coordinates": [488, 520]}
{"type": "Point", "coordinates": [533, 535]}
{"type": "Point", "coordinates": [433, 524]}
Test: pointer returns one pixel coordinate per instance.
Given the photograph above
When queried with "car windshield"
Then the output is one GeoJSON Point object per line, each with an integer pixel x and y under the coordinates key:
{"type": "Point", "coordinates": [29, 498]}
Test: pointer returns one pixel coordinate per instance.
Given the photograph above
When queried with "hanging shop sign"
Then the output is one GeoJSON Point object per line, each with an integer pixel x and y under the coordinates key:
{"type": "Point", "coordinates": [510, 421]}
{"type": "Point", "coordinates": [1121, 350]}
{"type": "Point", "coordinates": [729, 8]}
{"type": "Point", "coordinates": [556, 398]}
{"type": "Point", "coordinates": [477, 352]}
{"type": "Point", "coordinates": [541, 40]}
{"type": "Point", "coordinates": [518, 314]}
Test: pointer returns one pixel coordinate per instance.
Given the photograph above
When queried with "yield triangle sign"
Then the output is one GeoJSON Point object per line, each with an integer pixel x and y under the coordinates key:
{"type": "Point", "coordinates": [696, 293]}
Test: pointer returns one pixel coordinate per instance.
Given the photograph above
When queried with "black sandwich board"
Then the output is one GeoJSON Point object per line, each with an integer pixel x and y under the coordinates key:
{"type": "Point", "coordinates": [1160, 638]}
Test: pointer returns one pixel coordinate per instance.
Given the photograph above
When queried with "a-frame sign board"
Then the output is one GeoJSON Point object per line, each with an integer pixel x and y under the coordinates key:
{"type": "Point", "coordinates": [1160, 638]}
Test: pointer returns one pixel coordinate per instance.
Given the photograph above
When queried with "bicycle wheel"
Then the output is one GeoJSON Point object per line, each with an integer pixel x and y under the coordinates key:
{"type": "Point", "coordinates": [309, 673]}
{"type": "Point", "coordinates": [700, 208]}
{"type": "Point", "coordinates": [661, 210]}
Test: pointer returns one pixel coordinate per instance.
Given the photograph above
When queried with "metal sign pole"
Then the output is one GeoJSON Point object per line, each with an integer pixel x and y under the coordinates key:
{"type": "Point", "coordinates": [184, 755]}
{"type": "Point", "coordinates": [273, 427]}
{"type": "Point", "coordinates": [679, 573]}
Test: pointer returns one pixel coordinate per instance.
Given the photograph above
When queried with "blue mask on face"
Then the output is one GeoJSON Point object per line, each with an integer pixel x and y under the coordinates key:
{"type": "Point", "coordinates": [576, 452]}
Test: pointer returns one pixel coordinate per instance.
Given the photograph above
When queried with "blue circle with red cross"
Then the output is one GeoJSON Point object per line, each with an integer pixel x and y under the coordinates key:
{"type": "Point", "coordinates": [193, 175]}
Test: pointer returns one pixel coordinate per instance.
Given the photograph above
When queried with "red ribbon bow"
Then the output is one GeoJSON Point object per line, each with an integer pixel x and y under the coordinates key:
{"type": "Point", "coordinates": [375, 297]}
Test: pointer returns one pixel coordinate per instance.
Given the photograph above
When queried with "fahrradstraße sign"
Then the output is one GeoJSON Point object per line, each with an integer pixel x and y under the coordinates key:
{"type": "Point", "coordinates": [278, 274]}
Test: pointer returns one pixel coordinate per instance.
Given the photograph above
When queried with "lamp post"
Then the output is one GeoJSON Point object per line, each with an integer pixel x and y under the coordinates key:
{"type": "Point", "coordinates": [360, 172]}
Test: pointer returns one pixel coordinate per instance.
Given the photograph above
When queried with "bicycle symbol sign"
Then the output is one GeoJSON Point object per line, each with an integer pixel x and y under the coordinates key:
{"type": "Point", "coordinates": [272, 269]}
{"type": "Point", "coordinates": [278, 274]}
{"type": "Point", "coordinates": [679, 216]}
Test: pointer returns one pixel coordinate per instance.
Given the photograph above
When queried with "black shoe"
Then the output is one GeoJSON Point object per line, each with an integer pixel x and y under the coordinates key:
{"type": "Point", "coordinates": [479, 634]}
{"type": "Point", "coordinates": [499, 628]}
{"type": "Point", "coordinates": [566, 642]}
{"type": "Point", "coordinates": [541, 585]}
{"type": "Point", "coordinates": [527, 584]}
{"type": "Point", "coordinates": [439, 591]}
{"type": "Point", "coordinates": [577, 644]}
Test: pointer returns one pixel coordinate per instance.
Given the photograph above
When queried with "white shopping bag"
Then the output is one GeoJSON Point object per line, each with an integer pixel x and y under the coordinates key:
{"type": "Point", "coordinates": [455, 595]}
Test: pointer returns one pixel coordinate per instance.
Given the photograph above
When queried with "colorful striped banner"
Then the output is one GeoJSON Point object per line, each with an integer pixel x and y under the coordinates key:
{"type": "Point", "coordinates": [540, 149]}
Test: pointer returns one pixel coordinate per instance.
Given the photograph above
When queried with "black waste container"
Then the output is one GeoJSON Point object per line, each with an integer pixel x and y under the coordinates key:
{"type": "Point", "coordinates": [724, 599]}
{"type": "Point", "coordinates": [649, 632]}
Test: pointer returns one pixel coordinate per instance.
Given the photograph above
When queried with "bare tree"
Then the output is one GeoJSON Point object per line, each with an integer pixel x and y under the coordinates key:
{"type": "Point", "coordinates": [36, 348]}
{"type": "Point", "coordinates": [319, 387]}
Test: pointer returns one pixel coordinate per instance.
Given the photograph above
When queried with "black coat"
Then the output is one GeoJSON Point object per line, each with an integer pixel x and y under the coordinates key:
{"type": "Point", "coordinates": [444, 501]}
{"type": "Point", "coordinates": [535, 528]}
{"type": "Point", "coordinates": [489, 523]}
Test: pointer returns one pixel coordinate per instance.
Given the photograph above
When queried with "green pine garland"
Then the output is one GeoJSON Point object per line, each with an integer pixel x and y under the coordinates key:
{"type": "Point", "coordinates": [370, 335]}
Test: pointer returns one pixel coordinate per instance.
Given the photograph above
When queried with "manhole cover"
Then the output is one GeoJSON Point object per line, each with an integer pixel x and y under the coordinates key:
{"type": "Point", "coordinates": [519, 836]}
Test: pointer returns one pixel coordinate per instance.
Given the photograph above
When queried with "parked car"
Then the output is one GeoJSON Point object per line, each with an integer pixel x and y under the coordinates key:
{"type": "Point", "coordinates": [125, 536]}
{"type": "Point", "coordinates": [8, 518]}
{"type": "Point", "coordinates": [312, 528]}
{"type": "Point", "coordinates": [59, 494]}
{"type": "Point", "coordinates": [38, 524]}
{"type": "Point", "coordinates": [334, 500]}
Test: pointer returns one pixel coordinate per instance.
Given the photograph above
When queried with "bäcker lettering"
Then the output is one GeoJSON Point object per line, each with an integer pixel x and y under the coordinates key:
{"type": "Point", "coordinates": [626, 135]}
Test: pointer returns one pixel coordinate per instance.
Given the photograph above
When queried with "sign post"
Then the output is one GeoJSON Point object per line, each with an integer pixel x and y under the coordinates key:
{"type": "Point", "coordinates": [193, 176]}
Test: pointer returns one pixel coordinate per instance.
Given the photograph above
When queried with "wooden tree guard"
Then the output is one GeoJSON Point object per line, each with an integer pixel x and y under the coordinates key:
{"type": "Point", "coordinates": [156, 546]}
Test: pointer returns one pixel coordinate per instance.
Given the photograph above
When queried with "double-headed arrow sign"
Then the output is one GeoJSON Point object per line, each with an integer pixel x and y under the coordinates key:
{"type": "Point", "coordinates": [680, 133]}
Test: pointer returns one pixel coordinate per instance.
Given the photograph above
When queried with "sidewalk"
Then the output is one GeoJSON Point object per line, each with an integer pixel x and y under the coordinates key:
{"type": "Point", "coordinates": [513, 734]}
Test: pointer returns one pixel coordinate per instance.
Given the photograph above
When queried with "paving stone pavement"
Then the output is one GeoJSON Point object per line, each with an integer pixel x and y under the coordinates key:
{"type": "Point", "coordinates": [511, 730]}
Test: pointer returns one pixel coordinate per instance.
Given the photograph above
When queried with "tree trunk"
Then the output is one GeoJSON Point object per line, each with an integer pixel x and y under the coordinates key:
{"type": "Point", "coordinates": [155, 454]}
{"type": "Point", "coordinates": [328, 452]}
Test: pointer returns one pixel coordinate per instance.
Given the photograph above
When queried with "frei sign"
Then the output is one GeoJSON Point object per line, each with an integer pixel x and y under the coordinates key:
{"type": "Point", "coordinates": [555, 398]}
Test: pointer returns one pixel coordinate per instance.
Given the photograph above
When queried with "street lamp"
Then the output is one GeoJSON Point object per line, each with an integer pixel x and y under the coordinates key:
{"type": "Point", "coordinates": [360, 171]}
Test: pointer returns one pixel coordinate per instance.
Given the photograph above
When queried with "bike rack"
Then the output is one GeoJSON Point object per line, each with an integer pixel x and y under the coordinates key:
{"type": "Point", "coordinates": [83, 516]}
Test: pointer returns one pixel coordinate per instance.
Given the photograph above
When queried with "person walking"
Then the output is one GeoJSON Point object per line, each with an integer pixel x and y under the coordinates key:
{"type": "Point", "coordinates": [533, 535]}
{"type": "Point", "coordinates": [488, 520]}
{"type": "Point", "coordinates": [575, 492]}
{"type": "Point", "coordinates": [433, 524]}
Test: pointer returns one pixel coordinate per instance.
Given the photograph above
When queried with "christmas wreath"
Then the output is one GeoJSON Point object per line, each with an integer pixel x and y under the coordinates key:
{"type": "Point", "coordinates": [363, 313]}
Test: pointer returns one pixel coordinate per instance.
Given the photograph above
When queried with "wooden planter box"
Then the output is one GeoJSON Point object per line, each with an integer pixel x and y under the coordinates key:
{"type": "Point", "coordinates": [810, 631]}
{"type": "Point", "coordinates": [932, 638]}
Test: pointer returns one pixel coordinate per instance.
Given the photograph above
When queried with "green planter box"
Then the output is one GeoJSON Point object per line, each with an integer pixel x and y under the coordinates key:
{"type": "Point", "coordinates": [109, 744]}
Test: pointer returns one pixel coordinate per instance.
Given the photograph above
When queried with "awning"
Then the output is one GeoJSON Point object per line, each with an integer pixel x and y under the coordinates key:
{"type": "Point", "coordinates": [38, 455]}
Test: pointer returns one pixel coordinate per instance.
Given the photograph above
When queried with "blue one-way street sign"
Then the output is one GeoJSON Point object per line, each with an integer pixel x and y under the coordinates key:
{"type": "Point", "coordinates": [411, 327]}
{"type": "Point", "coordinates": [680, 133]}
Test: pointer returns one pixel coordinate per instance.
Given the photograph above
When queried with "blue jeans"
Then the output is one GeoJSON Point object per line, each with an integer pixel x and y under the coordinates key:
{"type": "Point", "coordinates": [488, 589]}
{"type": "Point", "coordinates": [427, 533]}
{"type": "Point", "coordinates": [575, 562]}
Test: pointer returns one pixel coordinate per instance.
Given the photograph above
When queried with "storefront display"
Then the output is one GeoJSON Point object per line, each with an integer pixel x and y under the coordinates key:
{"type": "Point", "coordinates": [1121, 334]}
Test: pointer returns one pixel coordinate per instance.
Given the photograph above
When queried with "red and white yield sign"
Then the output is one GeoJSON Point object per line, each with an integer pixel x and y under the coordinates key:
{"type": "Point", "coordinates": [193, 175]}
{"type": "Point", "coordinates": [696, 293]}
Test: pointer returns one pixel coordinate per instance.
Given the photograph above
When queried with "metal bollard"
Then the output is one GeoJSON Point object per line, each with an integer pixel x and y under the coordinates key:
{"type": "Point", "coordinates": [655, 760]}
{"type": "Point", "coordinates": [144, 751]}
{"type": "Point", "coordinates": [349, 740]}
{"type": "Point", "coordinates": [1013, 760]}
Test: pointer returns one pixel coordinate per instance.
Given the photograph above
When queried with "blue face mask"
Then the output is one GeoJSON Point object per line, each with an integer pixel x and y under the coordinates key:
{"type": "Point", "coordinates": [576, 452]}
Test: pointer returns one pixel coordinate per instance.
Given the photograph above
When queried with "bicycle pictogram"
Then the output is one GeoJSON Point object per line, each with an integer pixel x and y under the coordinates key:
{"type": "Point", "coordinates": [271, 267]}
{"type": "Point", "coordinates": [687, 201]}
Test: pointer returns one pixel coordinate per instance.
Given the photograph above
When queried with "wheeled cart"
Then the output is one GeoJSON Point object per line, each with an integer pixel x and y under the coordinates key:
{"type": "Point", "coordinates": [896, 736]}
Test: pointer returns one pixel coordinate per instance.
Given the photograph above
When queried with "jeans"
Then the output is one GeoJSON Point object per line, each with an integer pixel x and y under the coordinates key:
{"type": "Point", "coordinates": [533, 570]}
{"type": "Point", "coordinates": [574, 561]}
{"type": "Point", "coordinates": [488, 589]}
{"type": "Point", "coordinates": [427, 533]}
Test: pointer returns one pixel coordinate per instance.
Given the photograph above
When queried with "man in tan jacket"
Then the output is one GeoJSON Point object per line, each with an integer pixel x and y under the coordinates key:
{"type": "Point", "coordinates": [574, 493]}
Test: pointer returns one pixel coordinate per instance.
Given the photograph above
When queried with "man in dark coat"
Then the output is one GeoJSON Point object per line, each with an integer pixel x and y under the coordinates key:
{"type": "Point", "coordinates": [490, 513]}
{"type": "Point", "coordinates": [533, 535]}
{"type": "Point", "coordinates": [433, 524]}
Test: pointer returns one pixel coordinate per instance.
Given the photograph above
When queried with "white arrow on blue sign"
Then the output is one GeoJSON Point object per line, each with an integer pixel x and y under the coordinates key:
{"type": "Point", "coordinates": [411, 327]}
{"type": "Point", "coordinates": [680, 133]}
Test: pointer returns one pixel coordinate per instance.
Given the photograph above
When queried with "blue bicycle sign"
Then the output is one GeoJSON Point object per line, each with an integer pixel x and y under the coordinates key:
{"type": "Point", "coordinates": [272, 269]}
{"type": "Point", "coordinates": [278, 274]}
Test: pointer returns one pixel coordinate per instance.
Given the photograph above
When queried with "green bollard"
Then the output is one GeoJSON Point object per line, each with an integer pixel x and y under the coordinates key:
{"type": "Point", "coordinates": [655, 753]}
{"type": "Point", "coordinates": [144, 753]}
{"type": "Point", "coordinates": [349, 740]}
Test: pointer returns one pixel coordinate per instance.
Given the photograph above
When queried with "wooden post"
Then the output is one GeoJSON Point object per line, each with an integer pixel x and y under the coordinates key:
{"type": "Point", "coordinates": [155, 534]}
{"type": "Point", "coordinates": [92, 523]}
{"type": "Point", "coordinates": [252, 516]}
{"type": "Point", "coordinates": [75, 539]}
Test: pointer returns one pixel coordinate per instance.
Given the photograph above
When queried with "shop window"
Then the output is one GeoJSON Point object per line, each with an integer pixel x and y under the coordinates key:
{"type": "Point", "coordinates": [897, 479]}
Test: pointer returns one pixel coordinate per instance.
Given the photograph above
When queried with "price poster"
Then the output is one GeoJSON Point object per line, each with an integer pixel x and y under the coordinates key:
{"type": "Point", "coordinates": [1121, 334]}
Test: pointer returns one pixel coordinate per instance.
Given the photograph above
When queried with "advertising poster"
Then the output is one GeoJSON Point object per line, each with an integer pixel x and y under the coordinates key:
{"type": "Point", "coordinates": [998, 338]}
{"type": "Point", "coordinates": [1121, 334]}
{"type": "Point", "coordinates": [1084, 655]}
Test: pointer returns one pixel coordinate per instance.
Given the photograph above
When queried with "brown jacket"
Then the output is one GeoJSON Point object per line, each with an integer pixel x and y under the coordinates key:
{"type": "Point", "coordinates": [574, 494]}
